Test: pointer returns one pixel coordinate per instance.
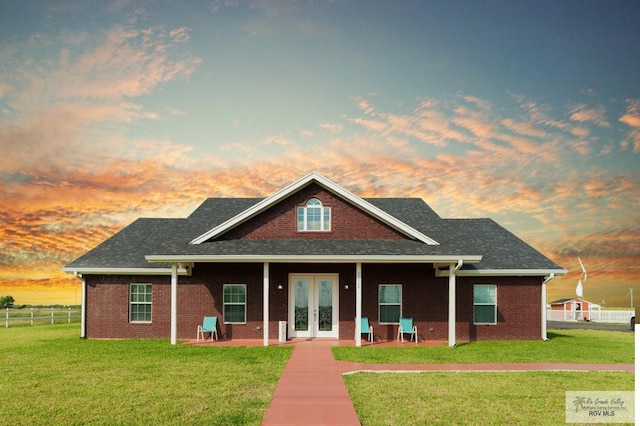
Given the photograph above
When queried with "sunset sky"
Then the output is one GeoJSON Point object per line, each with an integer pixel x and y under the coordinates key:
{"type": "Point", "coordinates": [527, 112]}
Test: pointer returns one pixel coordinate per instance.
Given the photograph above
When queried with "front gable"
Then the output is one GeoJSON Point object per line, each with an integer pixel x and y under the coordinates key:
{"type": "Point", "coordinates": [280, 221]}
{"type": "Point", "coordinates": [351, 217]}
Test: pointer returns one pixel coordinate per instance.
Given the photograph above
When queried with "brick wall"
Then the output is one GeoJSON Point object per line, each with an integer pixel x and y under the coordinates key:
{"type": "Point", "coordinates": [425, 298]}
{"type": "Point", "coordinates": [280, 221]}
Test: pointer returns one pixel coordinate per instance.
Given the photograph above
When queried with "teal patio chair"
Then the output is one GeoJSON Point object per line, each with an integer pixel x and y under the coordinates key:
{"type": "Point", "coordinates": [209, 325]}
{"type": "Point", "coordinates": [407, 327]}
{"type": "Point", "coordinates": [365, 327]}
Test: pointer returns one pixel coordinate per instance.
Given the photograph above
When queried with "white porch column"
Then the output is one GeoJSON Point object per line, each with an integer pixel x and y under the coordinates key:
{"type": "Point", "coordinates": [83, 309]}
{"type": "Point", "coordinates": [358, 303]}
{"type": "Point", "coordinates": [543, 302]}
{"type": "Point", "coordinates": [452, 302]}
{"type": "Point", "coordinates": [265, 304]}
{"type": "Point", "coordinates": [174, 303]}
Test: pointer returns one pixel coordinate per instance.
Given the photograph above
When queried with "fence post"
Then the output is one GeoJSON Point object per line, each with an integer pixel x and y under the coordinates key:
{"type": "Point", "coordinates": [53, 318]}
{"type": "Point", "coordinates": [7, 316]}
{"type": "Point", "coordinates": [69, 318]}
{"type": "Point", "coordinates": [32, 315]}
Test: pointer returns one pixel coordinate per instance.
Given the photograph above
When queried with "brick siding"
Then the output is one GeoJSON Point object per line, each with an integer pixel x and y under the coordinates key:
{"type": "Point", "coordinates": [280, 221]}
{"type": "Point", "coordinates": [425, 298]}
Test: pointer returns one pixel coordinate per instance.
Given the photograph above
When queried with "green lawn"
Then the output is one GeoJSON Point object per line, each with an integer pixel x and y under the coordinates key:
{"type": "Point", "coordinates": [432, 398]}
{"type": "Point", "coordinates": [51, 376]}
{"type": "Point", "coordinates": [492, 398]}
{"type": "Point", "coordinates": [563, 346]}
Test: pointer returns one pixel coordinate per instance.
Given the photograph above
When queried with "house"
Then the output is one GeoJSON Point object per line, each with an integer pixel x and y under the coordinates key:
{"type": "Point", "coordinates": [318, 257]}
{"type": "Point", "coordinates": [572, 309]}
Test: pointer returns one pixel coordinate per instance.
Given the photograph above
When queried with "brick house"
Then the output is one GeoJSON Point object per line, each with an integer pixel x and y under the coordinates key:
{"type": "Point", "coordinates": [318, 257]}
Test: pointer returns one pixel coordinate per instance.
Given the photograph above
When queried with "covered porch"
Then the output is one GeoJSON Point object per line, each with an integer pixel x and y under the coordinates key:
{"type": "Point", "coordinates": [354, 285]}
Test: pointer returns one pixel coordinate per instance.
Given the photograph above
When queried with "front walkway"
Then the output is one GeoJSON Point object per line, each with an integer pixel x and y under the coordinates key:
{"type": "Point", "coordinates": [311, 390]}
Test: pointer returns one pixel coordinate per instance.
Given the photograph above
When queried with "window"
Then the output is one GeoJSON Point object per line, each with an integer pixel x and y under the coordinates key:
{"type": "Point", "coordinates": [235, 304]}
{"type": "Point", "coordinates": [314, 217]}
{"type": "Point", "coordinates": [484, 304]}
{"type": "Point", "coordinates": [140, 303]}
{"type": "Point", "coordinates": [390, 303]}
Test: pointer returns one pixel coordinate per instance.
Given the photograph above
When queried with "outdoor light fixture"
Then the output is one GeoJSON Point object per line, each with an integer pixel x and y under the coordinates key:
{"type": "Point", "coordinates": [346, 286]}
{"type": "Point", "coordinates": [280, 287]}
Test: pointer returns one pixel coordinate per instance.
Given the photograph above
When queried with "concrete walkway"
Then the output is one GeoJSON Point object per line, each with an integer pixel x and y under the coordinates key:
{"type": "Point", "coordinates": [311, 390]}
{"type": "Point", "coordinates": [346, 367]}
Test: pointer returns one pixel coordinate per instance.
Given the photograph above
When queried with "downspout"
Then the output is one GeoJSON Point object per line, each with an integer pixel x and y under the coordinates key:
{"type": "Point", "coordinates": [452, 302]}
{"type": "Point", "coordinates": [543, 300]}
{"type": "Point", "coordinates": [83, 306]}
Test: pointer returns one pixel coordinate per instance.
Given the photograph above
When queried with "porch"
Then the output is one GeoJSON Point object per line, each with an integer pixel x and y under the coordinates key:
{"type": "Point", "coordinates": [319, 341]}
{"type": "Point", "coordinates": [322, 300]}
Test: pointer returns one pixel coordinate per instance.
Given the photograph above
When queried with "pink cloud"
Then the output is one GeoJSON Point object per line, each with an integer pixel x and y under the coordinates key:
{"type": "Point", "coordinates": [585, 114]}
{"type": "Point", "coordinates": [335, 128]}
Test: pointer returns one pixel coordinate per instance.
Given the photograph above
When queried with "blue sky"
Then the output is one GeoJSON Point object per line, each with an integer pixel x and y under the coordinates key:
{"type": "Point", "coordinates": [526, 112]}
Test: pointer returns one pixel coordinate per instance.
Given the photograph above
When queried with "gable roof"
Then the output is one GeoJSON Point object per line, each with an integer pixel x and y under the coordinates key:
{"type": "Point", "coordinates": [314, 177]}
{"type": "Point", "coordinates": [149, 246]}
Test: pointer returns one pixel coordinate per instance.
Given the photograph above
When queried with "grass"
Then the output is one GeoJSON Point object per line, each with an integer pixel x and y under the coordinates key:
{"type": "Point", "coordinates": [564, 346]}
{"type": "Point", "coordinates": [491, 398]}
{"type": "Point", "coordinates": [51, 376]}
{"type": "Point", "coordinates": [433, 398]}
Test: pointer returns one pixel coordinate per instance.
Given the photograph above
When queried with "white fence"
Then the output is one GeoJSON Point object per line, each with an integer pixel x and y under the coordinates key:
{"type": "Point", "coordinates": [594, 316]}
{"type": "Point", "coordinates": [41, 316]}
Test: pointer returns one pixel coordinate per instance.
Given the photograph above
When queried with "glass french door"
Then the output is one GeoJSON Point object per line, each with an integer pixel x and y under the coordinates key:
{"type": "Point", "coordinates": [313, 305]}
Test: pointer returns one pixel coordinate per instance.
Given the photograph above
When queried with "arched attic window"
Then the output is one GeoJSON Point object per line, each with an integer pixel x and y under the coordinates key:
{"type": "Point", "coordinates": [314, 216]}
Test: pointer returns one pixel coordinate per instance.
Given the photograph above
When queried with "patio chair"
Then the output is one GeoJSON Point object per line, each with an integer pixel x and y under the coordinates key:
{"type": "Point", "coordinates": [407, 327]}
{"type": "Point", "coordinates": [365, 327]}
{"type": "Point", "coordinates": [209, 325]}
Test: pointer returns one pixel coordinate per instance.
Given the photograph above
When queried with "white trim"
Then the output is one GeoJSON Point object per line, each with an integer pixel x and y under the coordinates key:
{"type": "Point", "coordinates": [174, 304]}
{"type": "Point", "coordinates": [126, 271]}
{"type": "Point", "coordinates": [358, 304]}
{"type": "Point", "coordinates": [225, 304]}
{"type": "Point", "coordinates": [131, 320]}
{"type": "Point", "coordinates": [494, 304]}
{"type": "Point", "coordinates": [265, 304]}
{"type": "Point", "coordinates": [298, 258]}
{"type": "Point", "coordinates": [83, 309]}
{"type": "Point", "coordinates": [501, 272]}
{"type": "Point", "coordinates": [327, 184]}
{"type": "Point", "coordinates": [313, 280]}
{"type": "Point", "coordinates": [388, 304]}
{"type": "Point", "coordinates": [451, 318]}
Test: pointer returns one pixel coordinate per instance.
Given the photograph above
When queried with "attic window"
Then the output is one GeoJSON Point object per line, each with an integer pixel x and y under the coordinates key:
{"type": "Point", "coordinates": [314, 216]}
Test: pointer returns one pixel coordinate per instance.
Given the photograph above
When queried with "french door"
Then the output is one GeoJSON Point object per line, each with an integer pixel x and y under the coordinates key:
{"type": "Point", "coordinates": [313, 305]}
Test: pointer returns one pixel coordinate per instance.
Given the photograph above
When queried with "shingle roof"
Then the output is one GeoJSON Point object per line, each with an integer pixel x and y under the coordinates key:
{"type": "Point", "coordinates": [499, 248]}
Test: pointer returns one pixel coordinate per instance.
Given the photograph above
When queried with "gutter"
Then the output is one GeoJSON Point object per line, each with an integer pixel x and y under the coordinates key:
{"type": "Point", "coordinates": [543, 305]}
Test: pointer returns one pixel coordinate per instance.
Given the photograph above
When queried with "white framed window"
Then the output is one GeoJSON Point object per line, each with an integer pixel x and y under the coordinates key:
{"type": "Point", "coordinates": [313, 216]}
{"type": "Point", "coordinates": [234, 309]}
{"type": "Point", "coordinates": [485, 304]}
{"type": "Point", "coordinates": [389, 303]}
{"type": "Point", "coordinates": [140, 302]}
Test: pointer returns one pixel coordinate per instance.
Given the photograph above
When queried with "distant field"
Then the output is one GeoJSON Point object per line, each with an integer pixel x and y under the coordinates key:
{"type": "Point", "coordinates": [51, 376]}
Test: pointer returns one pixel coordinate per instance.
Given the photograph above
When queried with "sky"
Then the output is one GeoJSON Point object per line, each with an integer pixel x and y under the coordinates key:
{"type": "Point", "coordinates": [527, 112]}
